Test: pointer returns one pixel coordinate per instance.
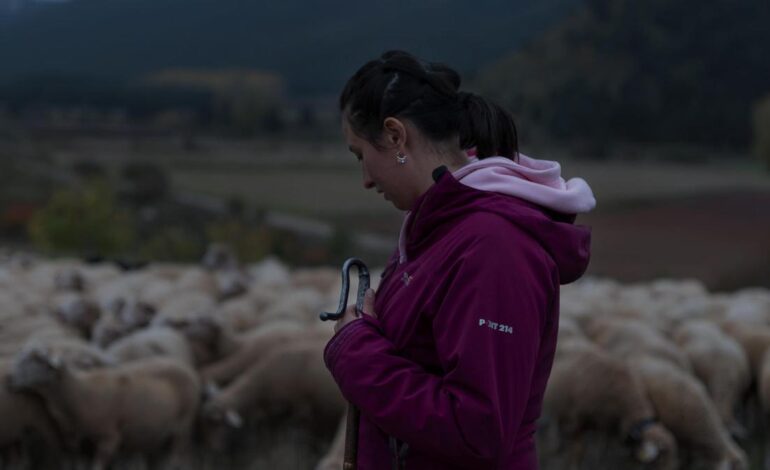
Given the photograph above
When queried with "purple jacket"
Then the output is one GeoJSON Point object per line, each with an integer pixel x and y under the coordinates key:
{"type": "Point", "coordinates": [457, 361]}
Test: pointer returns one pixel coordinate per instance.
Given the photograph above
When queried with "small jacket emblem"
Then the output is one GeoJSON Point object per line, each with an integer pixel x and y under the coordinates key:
{"type": "Point", "coordinates": [496, 326]}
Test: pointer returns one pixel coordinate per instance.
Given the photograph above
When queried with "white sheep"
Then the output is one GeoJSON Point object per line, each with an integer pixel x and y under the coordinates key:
{"type": "Point", "coordinates": [74, 352]}
{"type": "Point", "coordinates": [78, 312]}
{"type": "Point", "coordinates": [230, 284]}
{"type": "Point", "coordinates": [13, 334]}
{"type": "Point", "coordinates": [720, 363]}
{"type": "Point", "coordinates": [254, 346]}
{"type": "Point", "coordinates": [139, 406]}
{"type": "Point", "coordinates": [753, 338]}
{"type": "Point", "coordinates": [590, 389]}
{"type": "Point", "coordinates": [302, 305]}
{"type": "Point", "coordinates": [270, 272]}
{"type": "Point", "coordinates": [121, 317]}
{"type": "Point", "coordinates": [194, 279]}
{"type": "Point", "coordinates": [185, 306]}
{"type": "Point", "coordinates": [323, 280]}
{"type": "Point", "coordinates": [682, 405]}
{"type": "Point", "coordinates": [219, 256]}
{"type": "Point", "coordinates": [157, 341]}
{"type": "Point", "coordinates": [23, 413]}
{"type": "Point", "coordinates": [626, 338]}
{"type": "Point", "coordinates": [292, 379]}
{"type": "Point", "coordinates": [240, 314]}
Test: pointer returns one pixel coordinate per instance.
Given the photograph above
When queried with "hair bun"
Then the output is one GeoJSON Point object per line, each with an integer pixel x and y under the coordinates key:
{"type": "Point", "coordinates": [445, 74]}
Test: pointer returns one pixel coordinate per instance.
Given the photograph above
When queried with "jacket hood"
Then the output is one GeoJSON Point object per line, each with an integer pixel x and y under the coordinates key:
{"type": "Point", "coordinates": [542, 206]}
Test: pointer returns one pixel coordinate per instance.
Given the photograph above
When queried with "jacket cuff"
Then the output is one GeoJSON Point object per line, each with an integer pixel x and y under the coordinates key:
{"type": "Point", "coordinates": [337, 344]}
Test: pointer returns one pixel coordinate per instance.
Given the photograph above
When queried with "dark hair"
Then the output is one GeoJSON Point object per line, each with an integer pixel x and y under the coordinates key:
{"type": "Point", "coordinates": [400, 85]}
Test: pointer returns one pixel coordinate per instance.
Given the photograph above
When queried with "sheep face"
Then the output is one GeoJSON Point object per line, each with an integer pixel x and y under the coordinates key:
{"type": "Point", "coordinates": [218, 424]}
{"type": "Point", "coordinates": [106, 333]}
{"type": "Point", "coordinates": [219, 256]}
{"type": "Point", "coordinates": [35, 368]}
{"type": "Point", "coordinates": [230, 285]}
{"type": "Point", "coordinates": [79, 313]}
{"type": "Point", "coordinates": [204, 334]}
{"type": "Point", "coordinates": [69, 280]}
{"type": "Point", "coordinates": [657, 445]}
{"type": "Point", "coordinates": [136, 313]}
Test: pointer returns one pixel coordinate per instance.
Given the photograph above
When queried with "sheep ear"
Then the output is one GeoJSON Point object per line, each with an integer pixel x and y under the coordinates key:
{"type": "Point", "coordinates": [647, 452]}
{"type": "Point", "coordinates": [54, 360]}
{"type": "Point", "coordinates": [210, 390]}
{"type": "Point", "coordinates": [233, 419]}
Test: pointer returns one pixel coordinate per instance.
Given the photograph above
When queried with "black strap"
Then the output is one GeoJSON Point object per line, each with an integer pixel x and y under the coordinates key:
{"type": "Point", "coordinates": [439, 172]}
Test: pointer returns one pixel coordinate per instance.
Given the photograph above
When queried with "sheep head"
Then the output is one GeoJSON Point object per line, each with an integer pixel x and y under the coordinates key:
{"type": "Point", "coordinates": [107, 331]}
{"type": "Point", "coordinates": [735, 458]}
{"type": "Point", "coordinates": [69, 280]}
{"type": "Point", "coordinates": [78, 312]}
{"type": "Point", "coordinates": [36, 367]}
{"type": "Point", "coordinates": [219, 256]}
{"type": "Point", "coordinates": [218, 422]}
{"type": "Point", "coordinates": [136, 314]}
{"type": "Point", "coordinates": [657, 444]}
{"type": "Point", "coordinates": [231, 284]}
{"type": "Point", "coordinates": [205, 335]}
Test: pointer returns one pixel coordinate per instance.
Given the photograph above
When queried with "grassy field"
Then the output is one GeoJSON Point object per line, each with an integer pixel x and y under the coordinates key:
{"type": "Point", "coordinates": [654, 218]}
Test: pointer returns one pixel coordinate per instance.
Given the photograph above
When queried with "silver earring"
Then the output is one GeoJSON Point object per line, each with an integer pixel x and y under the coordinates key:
{"type": "Point", "coordinates": [401, 158]}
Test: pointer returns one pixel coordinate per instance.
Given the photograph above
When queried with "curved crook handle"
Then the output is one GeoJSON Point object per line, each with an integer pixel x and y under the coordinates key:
{"type": "Point", "coordinates": [363, 286]}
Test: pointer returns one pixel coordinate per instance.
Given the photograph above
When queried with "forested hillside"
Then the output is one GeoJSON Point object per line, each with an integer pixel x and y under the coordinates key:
{"type": "Point", "coordinates": [658, 70]}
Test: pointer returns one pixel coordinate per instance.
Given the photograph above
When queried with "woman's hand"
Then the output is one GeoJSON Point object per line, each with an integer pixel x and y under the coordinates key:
{"type": "Point", "coordinates": [351, 313]}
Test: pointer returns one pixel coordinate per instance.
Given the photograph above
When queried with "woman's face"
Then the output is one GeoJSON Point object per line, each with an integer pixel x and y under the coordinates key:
{"type": "Point", "coordinates": [380, 169]}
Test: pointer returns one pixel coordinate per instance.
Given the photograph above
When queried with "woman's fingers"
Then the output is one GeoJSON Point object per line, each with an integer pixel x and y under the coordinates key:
{"type": "Point", "coordinates": [352, 313]}
{"type": "Point", "coordinates": [369, 303]}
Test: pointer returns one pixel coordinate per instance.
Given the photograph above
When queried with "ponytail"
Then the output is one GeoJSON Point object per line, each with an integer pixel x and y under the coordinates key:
{"type": "Point", "coordinates": [487, 127]}
{"type": "Point", "coordinates": [427, 93]}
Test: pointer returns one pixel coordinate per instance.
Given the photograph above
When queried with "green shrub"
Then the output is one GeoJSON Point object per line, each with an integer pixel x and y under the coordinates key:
{"type": "Point", "coordinates": [250, 243]}
{"type": "Point", "coordinates": [172, 244]}
{"type": "Point", "coordinates": [83, 221]}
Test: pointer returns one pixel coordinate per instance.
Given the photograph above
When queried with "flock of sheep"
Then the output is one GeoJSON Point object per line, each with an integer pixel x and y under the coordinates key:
{"type": "Point", "coordinates": [168, 365]}
{"type": "Point", "coordinates": [681, 376]}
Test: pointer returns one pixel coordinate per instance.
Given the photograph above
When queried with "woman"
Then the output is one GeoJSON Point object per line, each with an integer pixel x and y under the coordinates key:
{"type": "Point", "coordinates": [449, 361]}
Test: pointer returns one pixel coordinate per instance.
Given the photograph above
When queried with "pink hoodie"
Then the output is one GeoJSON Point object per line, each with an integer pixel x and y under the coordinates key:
{"type": "Point", "coordinates": [536, 181]}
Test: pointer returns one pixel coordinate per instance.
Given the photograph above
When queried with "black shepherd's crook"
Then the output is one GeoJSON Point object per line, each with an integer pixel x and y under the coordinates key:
{"type": "Point", "coordinates": [351, 430]}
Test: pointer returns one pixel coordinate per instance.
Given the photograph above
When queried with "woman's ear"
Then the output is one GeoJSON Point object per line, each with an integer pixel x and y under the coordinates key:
{"type": "Point", "coordinates": [394, 133]}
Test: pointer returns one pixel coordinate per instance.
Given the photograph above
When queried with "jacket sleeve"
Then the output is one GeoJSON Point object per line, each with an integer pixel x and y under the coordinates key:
{"type": "Point", "coordinates": [487, 328]}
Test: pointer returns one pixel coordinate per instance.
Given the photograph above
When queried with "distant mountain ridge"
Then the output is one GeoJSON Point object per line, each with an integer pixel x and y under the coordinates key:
{"type": "Point", "coordinates": [314, 44]}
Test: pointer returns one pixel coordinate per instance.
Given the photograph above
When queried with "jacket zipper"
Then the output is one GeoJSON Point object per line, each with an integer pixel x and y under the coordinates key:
{"type": "Point", "coordinates": [399, 451]}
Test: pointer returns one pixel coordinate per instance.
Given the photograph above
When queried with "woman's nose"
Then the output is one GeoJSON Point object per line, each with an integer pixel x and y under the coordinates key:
{"type": "Point", "coordinates": [368, 182]}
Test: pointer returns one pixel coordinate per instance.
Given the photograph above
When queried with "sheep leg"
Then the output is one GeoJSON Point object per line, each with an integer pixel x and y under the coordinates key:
{"type": "Point", "coordinates": [766, 452]}
{"type": "Point", "coordinates": [105, 449]}
{"type": "Point", "coordinates": [576, 450]}
{"type": "Point", "coordinates": [553, 437]}
{"type": "Point", "coordinates": [336, 454]}
{"type": "Point", "coordinates": [180, 451]}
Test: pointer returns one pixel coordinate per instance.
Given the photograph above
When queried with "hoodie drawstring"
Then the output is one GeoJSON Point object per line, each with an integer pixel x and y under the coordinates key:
{"type": "Point", "coordinates": [399, 451]}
